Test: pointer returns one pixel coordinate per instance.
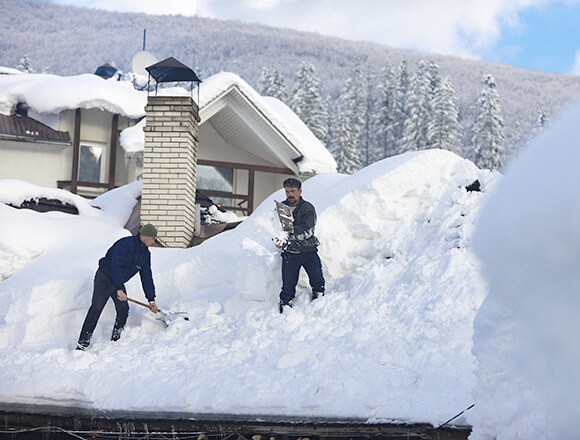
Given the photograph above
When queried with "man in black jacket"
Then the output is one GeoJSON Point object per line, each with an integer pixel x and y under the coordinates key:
{"type": "Point", "coordinates": [124, 259]}
{"type": "Point", "coordinates": [301, 247]}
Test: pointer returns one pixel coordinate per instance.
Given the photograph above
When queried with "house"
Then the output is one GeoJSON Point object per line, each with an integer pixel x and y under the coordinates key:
{"type": "Point", "coordinates": [91, 139]}
{"type": "Point", "coordinates": [86, 134]}
{"type": "Point", "coordinates": [78, 120]}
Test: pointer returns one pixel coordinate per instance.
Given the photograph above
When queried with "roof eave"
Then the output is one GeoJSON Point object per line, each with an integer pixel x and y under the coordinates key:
{"type": "Point", "coordinates": [34, 140]}
{"type": "Point", "coordinates": [220, 101]}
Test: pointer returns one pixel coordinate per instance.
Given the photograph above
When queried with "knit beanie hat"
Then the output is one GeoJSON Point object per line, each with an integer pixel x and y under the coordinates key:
{"type": "Point", "coordinates": [148, 231]}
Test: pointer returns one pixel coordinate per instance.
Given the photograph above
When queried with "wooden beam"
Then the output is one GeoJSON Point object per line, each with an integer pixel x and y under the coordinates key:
{"type": "Point", "coordinates": [243, 166]}
{"type": "Point", "coordinates": [94, 423]}
{"type": "Point", "coordinates": [64, 184]}
{"type": "Point", "coordinates": [251, 185]}
{"type": "Point", "coordinates": [113, 150]}
{"type": "Point", "coordinates": [252, 170]}
{"type": "Point", "coordinates": [74, 178]}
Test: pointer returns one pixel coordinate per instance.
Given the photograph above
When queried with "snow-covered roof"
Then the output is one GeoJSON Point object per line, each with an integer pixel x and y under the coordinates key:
{"type": "Point", "coordinates": [391, 340]}
{"type": "Point", "coordinates": [9, 71]}
{"type": "Point", "coordinates": [283, 138]}
{"type": "Point", "coordinates": [15, 192]}
{"type": "Point", "coordinates": [432, 303]}
{"type": "Point", "coordinates": [52, 94]}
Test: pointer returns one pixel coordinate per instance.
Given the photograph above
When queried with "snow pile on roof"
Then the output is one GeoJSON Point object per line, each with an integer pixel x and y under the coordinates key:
{"type": "Point", "coordinates": [15, 192]}
{"type": "Point", "coordinates": [132, 139]}
{"type": "Point", "coordinates": [526, 332]}
{"type": "Point", "coordinates": [9, 71]}
{"type": "Point", "coordinates": [27, 241]}
{"type": "Point", "coordinates": [391, 340]}
{"type": "Point", "coordinates": [51, 94]}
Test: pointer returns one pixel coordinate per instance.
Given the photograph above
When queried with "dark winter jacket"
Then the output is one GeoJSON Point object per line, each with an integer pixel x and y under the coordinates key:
{"type": "Point", "coordinates": [124, 259]}
{"type": "Point", "coordinates": [302, 238]}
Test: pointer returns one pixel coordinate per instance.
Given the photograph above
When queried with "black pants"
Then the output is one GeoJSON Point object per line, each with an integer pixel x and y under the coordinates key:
{"type": "Point", "coordinates": [291, 264]}
{"type": "Point", "coordinates": [103, 290]}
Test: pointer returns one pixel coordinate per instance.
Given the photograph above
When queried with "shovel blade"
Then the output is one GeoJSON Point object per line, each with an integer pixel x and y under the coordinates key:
{"type": "Point", "coordinates": [169, 317]}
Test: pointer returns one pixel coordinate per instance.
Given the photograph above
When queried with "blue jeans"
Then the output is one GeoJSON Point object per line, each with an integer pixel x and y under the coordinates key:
{"type": "Point", "coordinates": [291, 264]}
{"type": "Point", "coordinates": [103, 290]}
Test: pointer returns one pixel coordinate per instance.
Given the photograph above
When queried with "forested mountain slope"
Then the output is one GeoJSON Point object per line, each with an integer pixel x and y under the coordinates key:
{"type": "Point", "coordinates": [67, 40]}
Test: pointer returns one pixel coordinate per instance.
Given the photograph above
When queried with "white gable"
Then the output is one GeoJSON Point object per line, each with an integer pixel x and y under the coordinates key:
{"type": "Point", "coordinates": [282, 135]}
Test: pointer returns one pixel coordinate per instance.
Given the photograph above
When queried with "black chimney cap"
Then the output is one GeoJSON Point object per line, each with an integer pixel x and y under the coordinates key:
{"type": "Point", "coordinates": [171, 70]}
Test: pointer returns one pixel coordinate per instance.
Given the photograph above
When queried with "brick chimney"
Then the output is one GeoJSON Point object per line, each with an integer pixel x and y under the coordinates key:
{"type": "Point", "coordinates": [169, 168]}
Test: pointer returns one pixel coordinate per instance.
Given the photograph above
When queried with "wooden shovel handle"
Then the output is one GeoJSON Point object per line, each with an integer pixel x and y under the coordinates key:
{"type": "Point", "coordinates": [164, 314]}
{"type": "Point", "coordinates": [138, 302]}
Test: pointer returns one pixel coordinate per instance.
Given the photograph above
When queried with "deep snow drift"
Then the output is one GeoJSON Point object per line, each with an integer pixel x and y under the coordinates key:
{"type": "Point", "coordinates": [526, 332]}
{"type": "Point", "coordinates": [391, 339]}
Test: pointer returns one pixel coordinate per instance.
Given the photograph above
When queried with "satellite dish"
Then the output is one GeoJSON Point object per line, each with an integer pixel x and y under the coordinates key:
{"type": "Point", "coordinates": [141, 60]}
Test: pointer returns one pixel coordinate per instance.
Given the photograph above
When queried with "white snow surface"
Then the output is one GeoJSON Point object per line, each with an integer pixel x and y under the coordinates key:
{"type": "Point", "coordinates": [526, 331]}
{"type": "Point", "coordinates": [391, 340]}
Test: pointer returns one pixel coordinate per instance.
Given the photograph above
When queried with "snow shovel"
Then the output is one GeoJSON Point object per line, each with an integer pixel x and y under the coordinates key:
{"type": "Point", "coordinates": [165, 316]}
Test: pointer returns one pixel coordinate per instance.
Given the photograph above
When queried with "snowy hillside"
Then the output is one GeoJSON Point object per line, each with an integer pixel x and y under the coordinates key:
{"type": "Point", "coordinates": [210, 46]}
{"type": "Point", "coordinates": [391, 340]}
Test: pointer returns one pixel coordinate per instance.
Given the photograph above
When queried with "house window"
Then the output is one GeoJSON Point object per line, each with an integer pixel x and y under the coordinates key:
{"type": "Point", "coordinates": [90, 163]}
{"type": "Point", "coordinates": [215, 178]}
{"type": "Point", "coordinates": [218, 179]}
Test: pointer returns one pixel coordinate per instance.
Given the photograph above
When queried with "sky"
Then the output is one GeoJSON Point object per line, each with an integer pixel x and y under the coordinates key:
{"type": "Point", "coordinates": [534, 34]}
{"type": "Point", "coordinates": [437, 299]}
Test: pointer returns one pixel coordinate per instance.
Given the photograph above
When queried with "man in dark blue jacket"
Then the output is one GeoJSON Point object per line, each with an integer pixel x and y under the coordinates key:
{"type": "Point", "coordinates": [301, 247]}
{"type": "Point", "coordinates": [124, 259]}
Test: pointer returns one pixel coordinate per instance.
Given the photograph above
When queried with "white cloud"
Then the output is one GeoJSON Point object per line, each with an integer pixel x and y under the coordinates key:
{"type": "Point", "coordinates": [262, 4]}
{"type": "Point", "coordinates": [165, 7]}
{"type": "Point", "coordinates": [453, 27]}
{"type": "Point", "coordinates": [576, 68]}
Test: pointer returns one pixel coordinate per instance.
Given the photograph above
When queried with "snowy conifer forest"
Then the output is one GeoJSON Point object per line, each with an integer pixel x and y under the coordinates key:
{"type": "Point", "coordinates": [364, 101]}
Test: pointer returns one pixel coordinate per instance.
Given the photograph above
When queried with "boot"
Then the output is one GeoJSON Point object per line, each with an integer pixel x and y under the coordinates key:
{"type": "Point", "coordinates": [315, 295]}
{"type": "Point", "coordinates": [289, 303]}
